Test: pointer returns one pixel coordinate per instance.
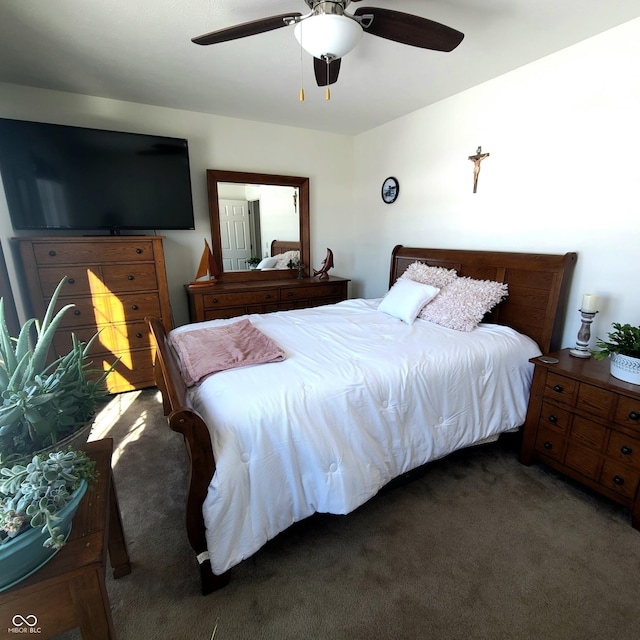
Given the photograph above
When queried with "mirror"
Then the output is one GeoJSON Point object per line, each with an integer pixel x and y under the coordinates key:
{"type": "Point", "coordinates": [282, 214]}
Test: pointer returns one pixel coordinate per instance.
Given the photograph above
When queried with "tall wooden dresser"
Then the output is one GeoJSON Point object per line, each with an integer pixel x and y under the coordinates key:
{"type": "Point", "coordinates": [114, 282]}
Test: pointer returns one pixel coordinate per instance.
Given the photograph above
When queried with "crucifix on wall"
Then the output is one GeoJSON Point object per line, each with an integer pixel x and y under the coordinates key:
{"type": "Point", "coordinates": [477, 159]}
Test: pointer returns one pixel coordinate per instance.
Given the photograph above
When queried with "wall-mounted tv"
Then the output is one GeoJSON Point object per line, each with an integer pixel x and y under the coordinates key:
{"type": "Point", "coordinates": [63, 177]}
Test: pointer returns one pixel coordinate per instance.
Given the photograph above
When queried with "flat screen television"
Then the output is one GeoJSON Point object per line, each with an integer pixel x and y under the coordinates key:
{"type": "Point", "coordinates": [63, 177]}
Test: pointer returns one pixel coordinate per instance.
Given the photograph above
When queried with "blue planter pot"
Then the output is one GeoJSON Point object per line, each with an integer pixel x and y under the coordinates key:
{"type": "Point", "coordinates": [25, 554]}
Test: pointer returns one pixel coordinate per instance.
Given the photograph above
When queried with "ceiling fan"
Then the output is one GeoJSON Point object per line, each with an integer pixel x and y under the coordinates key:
{"type": "Point", "coordinates": [328, 32]}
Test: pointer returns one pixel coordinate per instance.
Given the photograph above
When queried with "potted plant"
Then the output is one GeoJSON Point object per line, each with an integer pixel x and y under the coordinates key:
{"type": "Point", "coordinates": [37, 502]}
{"type": "Point", "coordinates": [253, 262]}
{"type": "Point", "coordinates": [623, 346]}
{"type": "Point", "coordinates": [44, 403]}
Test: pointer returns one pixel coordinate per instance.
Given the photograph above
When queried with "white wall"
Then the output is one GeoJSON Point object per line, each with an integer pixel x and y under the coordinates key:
{"type": "Point", "coordinates": [563, 174]}
{"type": "Point", "coordinates": [214, 143]}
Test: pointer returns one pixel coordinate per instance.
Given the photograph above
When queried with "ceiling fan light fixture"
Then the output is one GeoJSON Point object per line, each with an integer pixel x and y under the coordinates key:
{"type": "Point", "coordinates": [328, 35]}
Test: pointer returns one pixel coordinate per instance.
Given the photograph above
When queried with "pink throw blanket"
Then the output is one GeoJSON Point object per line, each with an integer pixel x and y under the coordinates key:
{"type": "Point", "coordinates": [213, 349]}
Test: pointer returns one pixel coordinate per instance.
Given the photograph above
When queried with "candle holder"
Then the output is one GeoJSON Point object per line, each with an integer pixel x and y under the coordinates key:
{"type": "Point", "coordinates": [581, 349]}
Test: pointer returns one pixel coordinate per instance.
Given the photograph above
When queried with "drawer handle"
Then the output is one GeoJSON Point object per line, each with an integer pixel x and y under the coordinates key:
{"type": "Point", "coordinates": [76, 312]}
{"type": "Point", "coordinates": [71, 280]}
{"type": "Point", "coordinates": [52, 253]}
{"type": "Point", "coordinates": [134, 307]}
{"type": "Point", "coordinates": [634, 415]}
{"type": "Point", "coordinates": [618, 480]}
{"type": "Point", "coordinates": [130, 277]}
{"type": "Point", "coordinates": [290, 294]}
{"type": "Point", "coordinates": [215, 301]}
{"type": "Point", "coordinates": [268, 296]}
{"type": "Point", "coordinates": [553, 419]}
{"type": "Point", "coordinates": [626, 451]}
{"type": "Point", "coordinates": [138, 250]}
{"type": "Point", "coordinates": [558, 388]}
{"type": "Point", "coordinates": [547, 445]}
{"type": "Point", "coordinates": [138, 335]}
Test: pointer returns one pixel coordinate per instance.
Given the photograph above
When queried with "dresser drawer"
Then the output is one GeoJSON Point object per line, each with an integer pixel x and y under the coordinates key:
{"type": "Point", "coordinates": [129, 277]}
{"type": "Point", "coordinates": [133, 306]}
{"type": "Point", "coordinates": [240, 298]}
{"type": "Point", "coordinates": [553, 417]}
{"type": "Point", "coordinates": [628, 413]}
{"type": "Point", "coordinates": [620, 478]}
{"type": "Point", "coordinates": [317, 291]}
{"type": "Point", "coordinates": [92, 312]}
{"type": "Point", "coordinates": [89, 252]}
{"type": "Point", "coordinates": [80, 281]}
{"type": "Point", "coordinates": [561, 389]}
{"type": "Point", "coordinates": [550, 443]}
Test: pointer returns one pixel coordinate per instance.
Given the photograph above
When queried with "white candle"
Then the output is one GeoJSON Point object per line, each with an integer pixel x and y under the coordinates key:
{"type": "Point", "coordinates": [589, 303]}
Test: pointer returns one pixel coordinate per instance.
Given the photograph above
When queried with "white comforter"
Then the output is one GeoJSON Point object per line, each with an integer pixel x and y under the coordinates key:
{"type": "Point", "coordinates": [360, 399]}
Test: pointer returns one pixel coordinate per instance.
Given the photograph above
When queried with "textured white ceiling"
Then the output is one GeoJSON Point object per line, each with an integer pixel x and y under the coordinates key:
{"type": "Point", "coordinates": [141, 51]}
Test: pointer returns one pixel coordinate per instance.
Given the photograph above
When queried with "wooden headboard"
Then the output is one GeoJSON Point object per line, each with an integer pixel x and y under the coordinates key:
{"type": "Point", "coordinates": [280, 246]}
{"type": "Point", "coordinates": [538, 285]}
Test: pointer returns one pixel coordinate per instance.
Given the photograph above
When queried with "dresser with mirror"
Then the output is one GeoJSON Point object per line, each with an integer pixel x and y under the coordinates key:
{"type": "Point", "coordinates": [253, 215]}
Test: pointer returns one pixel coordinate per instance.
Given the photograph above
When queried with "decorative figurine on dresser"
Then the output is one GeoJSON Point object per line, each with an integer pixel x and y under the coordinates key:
{"type": "Point", "coordinates": [327, 263]}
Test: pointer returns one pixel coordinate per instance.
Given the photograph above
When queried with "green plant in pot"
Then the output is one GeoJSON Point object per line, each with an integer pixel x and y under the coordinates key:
{"type": "Point", "coordinates": [623, 347]}
{"type": "Point", "coordinates": [38, 499]}
{"type": "Point", "coordinates": [253, 262]}
{"type": "Point", "coordinates": [44, 402]}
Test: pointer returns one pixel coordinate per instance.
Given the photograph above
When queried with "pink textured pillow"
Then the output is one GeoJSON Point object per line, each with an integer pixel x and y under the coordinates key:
{"type": "Point", "coordinates": [462, 304]}
{"type": "Point", "coordinates": [435, 276]}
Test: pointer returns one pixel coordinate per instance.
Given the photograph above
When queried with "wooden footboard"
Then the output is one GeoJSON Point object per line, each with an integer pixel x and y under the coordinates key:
{"type": "Point", "coordinates": [185, 420]}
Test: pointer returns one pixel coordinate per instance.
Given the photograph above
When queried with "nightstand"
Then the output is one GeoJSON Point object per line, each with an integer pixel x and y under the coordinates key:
{"type": "Point", "coordinates": [586, 424]}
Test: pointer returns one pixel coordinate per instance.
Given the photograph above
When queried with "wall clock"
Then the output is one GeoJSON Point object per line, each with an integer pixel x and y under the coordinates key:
{"type": "Point", "coordinates": [390, 190]}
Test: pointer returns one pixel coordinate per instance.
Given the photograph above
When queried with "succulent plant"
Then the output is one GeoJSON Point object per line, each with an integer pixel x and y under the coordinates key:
{"type": "Point", "coordinates": [43, 402]}
{"type": "Point", "coordinates": [32, 494]}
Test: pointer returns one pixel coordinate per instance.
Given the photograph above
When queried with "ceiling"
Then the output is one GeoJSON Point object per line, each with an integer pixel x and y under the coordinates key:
{"type": "Point", "coordinates": [141, 51]}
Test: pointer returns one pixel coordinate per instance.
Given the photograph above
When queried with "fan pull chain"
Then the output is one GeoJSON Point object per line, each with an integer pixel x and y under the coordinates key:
{"type": "Point", "coordinates": [301, 70]}
{"type": "Point", "coordinates": [327, 93]}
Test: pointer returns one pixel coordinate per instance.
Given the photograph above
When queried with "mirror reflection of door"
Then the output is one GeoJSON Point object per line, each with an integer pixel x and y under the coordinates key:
{"type": "Point", "coordinates": [251, 217]}
{"type": "Point", "coordinates": [235, 234]}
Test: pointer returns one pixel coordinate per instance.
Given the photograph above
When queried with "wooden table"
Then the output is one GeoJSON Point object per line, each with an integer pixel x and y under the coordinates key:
{"type": "Point", "coordinates": [70, 591]}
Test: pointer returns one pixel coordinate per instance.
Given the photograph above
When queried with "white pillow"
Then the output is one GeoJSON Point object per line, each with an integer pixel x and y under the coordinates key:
{"type": "Point", "coordinates": [267, 263]}
{"type": "Point", "coordinates": [405, 299]}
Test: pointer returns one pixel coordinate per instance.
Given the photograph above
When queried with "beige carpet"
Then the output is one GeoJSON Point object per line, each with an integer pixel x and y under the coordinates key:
{"type": "Point", "coordinates": [476, 547]}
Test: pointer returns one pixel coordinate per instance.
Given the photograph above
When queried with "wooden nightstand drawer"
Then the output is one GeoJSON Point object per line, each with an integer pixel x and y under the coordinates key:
{"type": "Point", "coordinates": [589, 434]}
{"type": "Point", "coordinates": [561, 389]}
{"type": "Point", "coordinates": [620, 478]}
{"type": "Point", "coordinates": [625, 449]}
{"type": "Point", "coordinates": [550, 444]}
{"type": "Point", "coordinates": [628, 413]}
{"type": "Point", "coordinates": [584, 460]}
{"type": "Point", "coordinates": [553, 417]}
{"type": "Point", "coordinates": [241, 298]}
{"type": "Point", "coordinates": [595, 401]}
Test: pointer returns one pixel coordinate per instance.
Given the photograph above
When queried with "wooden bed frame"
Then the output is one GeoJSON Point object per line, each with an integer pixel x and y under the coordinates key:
{"type": "Point", "coordinates": [282, 246]}
{"type": "Point", "coordinates": [538, 287]}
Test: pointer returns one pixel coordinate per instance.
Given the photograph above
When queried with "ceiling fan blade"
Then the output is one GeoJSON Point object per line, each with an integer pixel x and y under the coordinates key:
{"type": "Point", "coordinates": [245, 29]}
{"type": "Point", "coordinates": [409, 29]}
{"type": "Point", "coordinates": [326, 74]}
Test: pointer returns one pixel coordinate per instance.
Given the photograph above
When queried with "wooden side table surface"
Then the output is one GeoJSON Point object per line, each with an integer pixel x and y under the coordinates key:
{"type": "Point", "coordinates": [70, 591]}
